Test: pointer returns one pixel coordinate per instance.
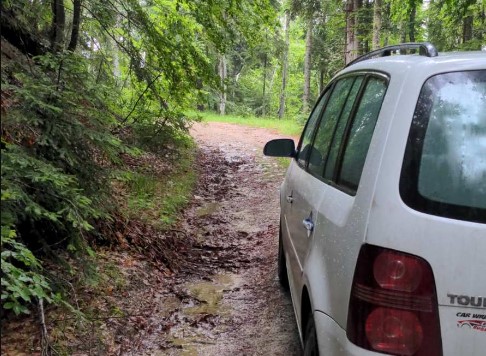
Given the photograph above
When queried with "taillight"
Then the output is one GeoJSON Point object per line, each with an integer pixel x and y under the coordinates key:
{"type": "Point", "coordinates": [393, 305]}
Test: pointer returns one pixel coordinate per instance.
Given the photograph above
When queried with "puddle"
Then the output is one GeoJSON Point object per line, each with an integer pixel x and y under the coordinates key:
{"type": "Point", "coordinates": [204, 319]}
{"type": "Point", "coordinates": [211, 294]}
{"type": "Point", "coordinates": [208, 209]}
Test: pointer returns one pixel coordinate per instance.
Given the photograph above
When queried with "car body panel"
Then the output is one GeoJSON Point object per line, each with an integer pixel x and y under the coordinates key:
{"type": "Point", "coordinates": [333, 340]}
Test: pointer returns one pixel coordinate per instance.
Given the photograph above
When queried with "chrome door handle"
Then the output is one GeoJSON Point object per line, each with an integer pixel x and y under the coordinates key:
{"type": "Point", "coordinates": [290, 199]}
{"type": "Point", "coordinates": [309, 226]}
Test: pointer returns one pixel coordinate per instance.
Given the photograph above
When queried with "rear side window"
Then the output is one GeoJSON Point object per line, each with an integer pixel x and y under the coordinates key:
{"type": "Point", "coordinates": [327, 125]}
{"type": "Point", "coordinates": [339, 131]}
{"type": "Point", "coordinates": [361, 132]}
{"type": "Point", "coordinates": [444, 169]}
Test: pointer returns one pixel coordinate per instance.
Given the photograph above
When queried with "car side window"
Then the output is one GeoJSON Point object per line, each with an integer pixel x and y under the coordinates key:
{"type": "Point", "coordinates": [305, 145]}
{"type": "Point", "coordinates": [340, 129]}
{"type": "Point", "coordinates": [326, 128]}
{"type": "Point", "coordinates": [360, 133]}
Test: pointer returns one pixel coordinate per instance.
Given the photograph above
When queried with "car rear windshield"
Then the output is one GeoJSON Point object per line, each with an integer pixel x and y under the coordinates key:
{"type": "Point", "coordinates": [444, 169]}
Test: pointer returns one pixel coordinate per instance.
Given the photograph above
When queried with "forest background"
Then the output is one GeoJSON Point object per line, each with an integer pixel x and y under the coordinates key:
{"type": "Point", "coordinates": [97, 97]}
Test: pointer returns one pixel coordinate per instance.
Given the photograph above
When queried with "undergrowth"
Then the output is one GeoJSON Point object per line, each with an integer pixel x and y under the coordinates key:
{"type": "Point", "coordinates": [156, 197]}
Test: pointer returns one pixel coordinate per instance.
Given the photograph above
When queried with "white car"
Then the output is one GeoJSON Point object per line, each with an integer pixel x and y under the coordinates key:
{"type": "Point", "coordinates": [383, 208]}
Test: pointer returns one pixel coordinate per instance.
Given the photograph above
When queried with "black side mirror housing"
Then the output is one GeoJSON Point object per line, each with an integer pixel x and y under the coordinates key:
{"type": "Point", "coordinates": [282, 147]}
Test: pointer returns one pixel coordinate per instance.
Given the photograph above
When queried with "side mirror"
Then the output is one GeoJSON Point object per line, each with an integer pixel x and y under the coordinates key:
{"type": "Point", "coordinates": [282, 147]}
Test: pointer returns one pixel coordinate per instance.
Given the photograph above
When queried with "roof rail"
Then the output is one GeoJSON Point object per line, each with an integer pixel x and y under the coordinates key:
{"type": "Point", "coordinates": [425, 49]}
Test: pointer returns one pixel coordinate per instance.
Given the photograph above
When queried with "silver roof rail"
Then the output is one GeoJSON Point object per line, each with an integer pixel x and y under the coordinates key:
{"type": "Point", "coordinates": [426, 49]}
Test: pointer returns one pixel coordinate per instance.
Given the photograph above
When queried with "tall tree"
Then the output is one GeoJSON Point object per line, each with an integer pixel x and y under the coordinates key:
{"type": "Point", "coordinates": [222, 71]}
{"type": "Point", "coordinates": [308, 10]}
{"type": "Point", "coordinates": [285, 65]}
{"type": "Point", "coordinates": [377, 23]}
{"type": "Point", "coordinates": [307, 64]}
{"type": "Point", "coordinates": [76, 23]}
{"type": "Point", "coordinates": [58, 25]}
{"type": "Point", "coordinates": [352, 23]}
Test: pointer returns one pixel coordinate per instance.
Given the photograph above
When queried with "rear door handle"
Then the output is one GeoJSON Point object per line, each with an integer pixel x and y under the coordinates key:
{"type": "Point", "coordinates": [309, 226]}
{"type": "Point", "coordinates": [290, 199]}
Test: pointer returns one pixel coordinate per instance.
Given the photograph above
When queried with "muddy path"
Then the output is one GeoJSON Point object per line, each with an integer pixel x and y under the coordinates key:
{"type": "Point", "coordinates": [231, 302]}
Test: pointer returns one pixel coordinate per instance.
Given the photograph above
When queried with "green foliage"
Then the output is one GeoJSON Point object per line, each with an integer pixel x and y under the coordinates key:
{"type": "Point", "coordinates": [37, 190]}
{"type": "Point", "coordinates": [22, 281]}
{"type": "Point", "coordinates": [54, 136]}
{"type": "Point", "coordinates": [447, 20]}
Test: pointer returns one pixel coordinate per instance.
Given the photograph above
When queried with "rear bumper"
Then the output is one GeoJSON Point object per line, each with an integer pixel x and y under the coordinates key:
{"type": "Point", "coordinates": [333, 341]}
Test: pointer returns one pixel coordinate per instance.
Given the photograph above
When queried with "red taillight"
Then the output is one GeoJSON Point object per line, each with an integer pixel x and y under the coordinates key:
{"type": "Point", "coordinates": [393, 305]}
{"type": "Point", "coordinates": [397, 271]}
{"type": "Point", "coordinates": [394, 331]}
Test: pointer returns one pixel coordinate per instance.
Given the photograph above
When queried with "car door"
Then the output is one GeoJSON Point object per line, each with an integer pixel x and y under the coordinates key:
{"type": "Point", "coordinates": [341, 218]}
{"type": "Point", "coordinates": [304, 189]}
{"type": "Point", "coordinates": [293, 205]}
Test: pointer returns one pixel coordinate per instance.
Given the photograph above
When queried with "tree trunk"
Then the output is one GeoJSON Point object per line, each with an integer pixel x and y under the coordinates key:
{"type": "Point", "coordinates": [482, 20]}
{"type": "Point", "coordinates": [361, 45]}
{"type": "Point", "coordinates": [76, 22]}
{"type": "Point", "coordinates": [467, 28]}
{"type": "Point", "coordinates": [411, 22]}
{"type": "Point", "coordinates": [351, 51]}
{"type": "Point", "coordinates": [285, 67]}
{"type": "Point", "coordinates": [58, 24]}
{"type": "Point", "coordinates": [264, 94]}
{"type": "Point", "coordinates": [377, 20]}
{"type": "Point", "coordinates": [307, 66]}
{"type": "Point", "coordinates": [386, 23]}
{"type": "Point", "coordinates": [222, 76]}
{"type": "Point", "coordinates": [321, 81]}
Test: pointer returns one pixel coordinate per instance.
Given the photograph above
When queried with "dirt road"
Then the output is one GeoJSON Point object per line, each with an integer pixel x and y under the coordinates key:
{"type": "Point", "coordinates": [240, 310]}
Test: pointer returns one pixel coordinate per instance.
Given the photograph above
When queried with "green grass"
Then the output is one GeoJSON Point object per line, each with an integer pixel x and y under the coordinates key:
{"type": "Point", "coordinates": [285, 127]}
{"type": "Point", "coordinates": [157, 199]}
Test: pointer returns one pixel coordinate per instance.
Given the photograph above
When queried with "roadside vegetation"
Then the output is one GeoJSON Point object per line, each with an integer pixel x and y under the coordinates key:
{"type": "Point", "coordinates": [97, 98]}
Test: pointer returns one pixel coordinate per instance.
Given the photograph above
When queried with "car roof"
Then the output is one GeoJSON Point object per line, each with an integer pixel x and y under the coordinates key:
{"type": "Point", "coordinates": [444, 61]}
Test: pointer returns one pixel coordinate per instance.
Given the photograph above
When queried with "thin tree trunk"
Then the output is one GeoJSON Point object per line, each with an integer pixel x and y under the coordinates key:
{"type": "Point", "coordinates": [76, 22]}
{"type": "Point", "coordinates": [222, 76]}
{"type": "Point", "coordinates": [482, 17]}
{"type": "Point", "coordinates": [58, 24]}
{"type": "Point", "coordinates": [386, 23]}
{"type": "Point", "coordinates": [321, 80]}
{"type": "Point", "coordinates": [411, 22]}
{"type": "Point", "coordinates": [285, 66]}
{"type": "Point", "coordinates": [264, 84]}
{"type": "Point", "coordinates": [351, 51]}
{"type": "Point", "coordinates": [377, 20]}
{"type": "Point", "coordinates": [360, 46]}
{"type": "Point", "coordinates": [307, 66]}
{"type": "Point", "coordinates": [467, 28]}
{"type": "Point", "coordinates": [403, 32]}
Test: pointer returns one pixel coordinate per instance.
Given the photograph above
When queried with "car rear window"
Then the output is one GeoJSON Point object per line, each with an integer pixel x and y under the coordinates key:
{"type": "Point", "coordinates": [444, 170]}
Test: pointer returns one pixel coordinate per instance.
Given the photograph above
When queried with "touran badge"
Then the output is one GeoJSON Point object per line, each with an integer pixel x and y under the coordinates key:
{"type": "Point", "coordinates": [465, 300]}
